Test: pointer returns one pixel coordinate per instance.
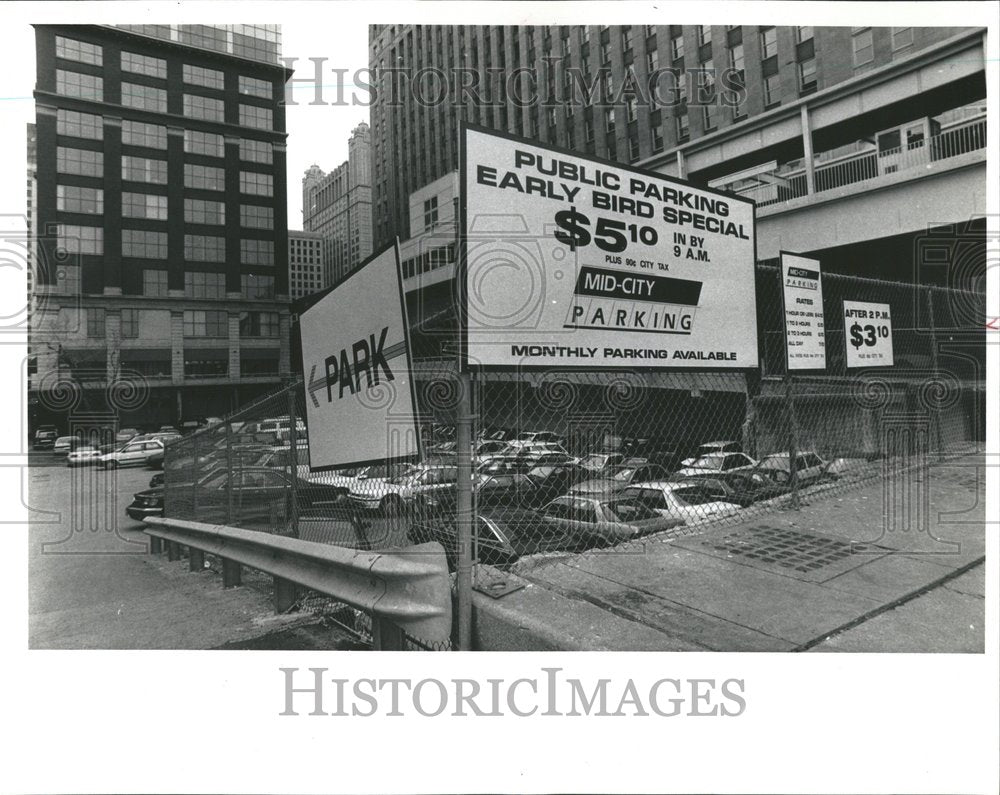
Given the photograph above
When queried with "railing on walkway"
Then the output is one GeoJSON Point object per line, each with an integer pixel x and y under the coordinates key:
{"type": "Point", "coordinates": [785, 184]}
{"type": "Point", "coordinates": [407, 593]}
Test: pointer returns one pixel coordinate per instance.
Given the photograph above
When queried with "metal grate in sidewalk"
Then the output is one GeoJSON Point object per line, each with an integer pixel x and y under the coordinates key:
{"type": "Point", "coordinates": [791, 549]}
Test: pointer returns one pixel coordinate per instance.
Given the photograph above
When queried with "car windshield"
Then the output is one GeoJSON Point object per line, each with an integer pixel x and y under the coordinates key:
{"type": "Point", "coordinates": [624, 474]}
{"type": "Point", "coordinates": [628, 510]}
{"type": "Point", "coordinates": [693, 496]}
{"type": "Point", "coordinates": [775, 462]}
{"type": "Point", "coordinates": [714, 461]}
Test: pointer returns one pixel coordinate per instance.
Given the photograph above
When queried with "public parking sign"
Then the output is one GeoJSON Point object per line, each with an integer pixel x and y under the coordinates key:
{"type": "Point", "coordinates": [582, 263]}
{"type": "Point", "coordinates": [360, 405]}
{"type": "Point", "coordinates": [802, 297]}
{"type": "Point", "coordinates": [867, 334]}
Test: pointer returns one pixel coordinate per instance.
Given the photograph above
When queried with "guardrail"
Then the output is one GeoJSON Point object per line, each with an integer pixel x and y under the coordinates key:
{"type": "Point", "coordinates": [408, 591]}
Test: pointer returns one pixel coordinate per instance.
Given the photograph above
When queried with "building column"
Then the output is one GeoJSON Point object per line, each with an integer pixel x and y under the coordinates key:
{"type": "Point", "coordinates": [681, 165]}
{"type": "Point", "coordinates": [177, 348]}
{"type": "Point", "coordinates": [284, 336]}
{"type": "Point", "coordinates": [234, 345]}
{"type": "Point", "coordinates": [807, 151]}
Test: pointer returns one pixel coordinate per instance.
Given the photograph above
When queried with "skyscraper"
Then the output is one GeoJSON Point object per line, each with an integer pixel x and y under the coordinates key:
{"type": "Point", "coordinates": [161, 214]}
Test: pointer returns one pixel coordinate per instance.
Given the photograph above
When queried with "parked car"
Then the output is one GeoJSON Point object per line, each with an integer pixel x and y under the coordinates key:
{"type": "Point", "coordinates": [351, 476]}
{"type": "Point", "coordinates": [711, 448]}
{"type": "Point", "coordinates": [603, 518]}
{"type": "Point", "coordinates": [131, 454]}
{"type": "Point", "coordinates": [499, 537]}
{"type": "Point", "coordinates": [126, 435]}
{"type": "Point", "coordinates": [553, 481]}
{"type": "Point", "coordinates": [393, 495]}
{"type": "Point", "coordinates": [169, 429]}
{"type": "Point", "coordinates": [809, 468]}
{"type": "Point", "coordinates": [718, 462]}
{"type": "Point", "coordinates": [743, 487]}
{"type": "Point", "coordinates": [686, 502]}
{"type": "Point", "coordinates": [85, 455]}
{"type": "Point", "coordinates": [44, 440]}
{"type": "Point", "coordinates": [145, 503]}
{"type": "Point", "coordinates": [491, 491]}
{"type": "Point", "coordinates": [64, 444]}
{"type": "Point", "coordinates": [598, 462]}
{"type": "Point", "coordinates": [156, 481]}
{"type": "Point", "coordinates": [281, 458]}
{"type": "Point", "coordinates": [621, 478]}
{"type": "Point", "coordinates": [489, 447]}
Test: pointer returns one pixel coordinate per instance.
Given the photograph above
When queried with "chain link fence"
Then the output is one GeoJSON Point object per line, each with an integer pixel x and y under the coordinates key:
{"type": "Point", "coordinates": [569, 462]}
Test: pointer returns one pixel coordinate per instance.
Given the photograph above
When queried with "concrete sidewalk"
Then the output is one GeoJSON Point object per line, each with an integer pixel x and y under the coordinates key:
{"type": "Point", "coordinates": [893, 565]}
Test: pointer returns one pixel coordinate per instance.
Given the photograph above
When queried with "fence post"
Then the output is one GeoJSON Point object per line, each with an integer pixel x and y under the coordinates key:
{"type": "Point", "coordinates": [293, 440]}
{"type": "Point", "coordinates": [463, 514]}
{"type": "Point", "coordinates": [934, 367]}
{"type": "Point", "coordinates": [195, 471]}
{"type": "Point", "coordinates": [793, 438]}
{"type": "Point", "coordinates": [229, 470]}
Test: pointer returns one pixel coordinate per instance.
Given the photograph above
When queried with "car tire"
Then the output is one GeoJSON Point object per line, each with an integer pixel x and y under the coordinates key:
{"type": "Point", "coordinates": [110, 464]}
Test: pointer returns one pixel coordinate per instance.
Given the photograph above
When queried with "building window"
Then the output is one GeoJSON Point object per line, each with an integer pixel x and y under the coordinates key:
{"type": "Point", "coordinates": [80, 125]}
{"type": "Point", "coordinates": [626, 38]}
{"type": "Point", "coordinates": [677, 47]}
{"type": "Point", "coordinates": [80, 239]}
{"type": "Point", "coordinates": [200, 76]}
{"type": "Point", "coordinates": [204, 143]}
{"type": "Point", "coordinates": [430, 213]}
{"type": "Point", "coordinates": [609, 122]}
{"type": "Point", "coordinates": [254, 286]}
{"type": "Point", "coordinates": [256, 184]}
{"type": "Point", "coordinates": [204, 248]}
{"type": "Point", "coordinates": [144, 205]}
{"type": "Point", "coordinates": [76, 199]}
{"type": "Point", "coordinates": [257, 252]}
{"type": "Point", "coordinates": [207, 108]}
{"type": "Point", "coordinates": [803, 33]}
{"type": "Point", "coordinates": [154, 283]}
{"type": "Point", "coordinates": [144, 65]}
{"type": "Point", "coordinates": [652, 61]}
{"type": "Point", "coordinates": [633, 149]}
{"type": "Point", "coordinates": [204, 177]}
{"type": "Point", "coordinates": [144, 244]}
{"type": "Point", "coordinates": [588, 131]}
{"type": "Point", "coordinates": [704, 34]}
{"type": "Point", "coordinates": [95, 323]}
{"type": "Point", "coordinates": [256, 116]}
{"type": "Point", "coordinates": [631, 108]}
{"type": "Point", "coordinates": [901, 37]}
{"type": "Point", "coordinates": [605, 53]}
{"type": "Point", "coordinates": [254, 87]}
{"type": "Point", "coordinates": [258, 324]}
{"type": "Point", "coordinates": [199, 284]}
{"type": "Point", "coordinates": [137, 133]}
{"type": "Point", "coordinates": [202, 323]}
{"type": "Point", "coordinates": [130, 324]}
{"type": "Point", "coordinates": [736, 60]}
{"type": "Point", "coordinates": [682, 127]}
{"type": "Point", "coordinates": [204, 211]}
{"type": "Point", "coordinates": [768, 42]}
{"type": "Point", "coordinates": [144, 97]}
{"type": "Point", "coordinates": [807, 76]}
{"type": "Point", "coordinates": [861, 43]}
{"type": "Point", "coordinates": [772, 90]}
{"type": "Point", "coordinates": [74, 84]}
{"type": "Point", "coordinates": [82, 51]}
{"type": "Point", "coordinates": [710, 116]}
{"type": "Point", "coordinates": [656, 136]}
{"type": "Point", "coordinates": [256, 151]}
{"type": "Point", "coordinates": [144, 169]}
{"type": "Point", "coordinates": [254, 216]}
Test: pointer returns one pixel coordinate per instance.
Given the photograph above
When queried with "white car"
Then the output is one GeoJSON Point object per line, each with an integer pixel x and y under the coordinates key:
{"type": "Point", "coordinates": [602, 461]}
{"type": "Point", "coordinates": [689, 502]}
{"type": "Point", "coordinates": [391, 495]}
{"type": "Point", "coordinates": [809, 467]}
{"type": "Point", "coordinates": [717, 462]}
{"type": "Point", "coordinates": [131, 454]}
{"type": "Point", "coordinates": [713, 447]}
{"type": "Point", "coordinates": [84, 456]}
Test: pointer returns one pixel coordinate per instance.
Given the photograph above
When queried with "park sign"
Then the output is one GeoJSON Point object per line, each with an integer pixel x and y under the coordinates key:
{"type": "Point", "coordinates": [360, 406]}
{"type": "Point", "coordinates": [802, 299]}
{"type": "Point", "coordinates": [867, 334]}
{"type": "Point", "coordinates": [575, 262]}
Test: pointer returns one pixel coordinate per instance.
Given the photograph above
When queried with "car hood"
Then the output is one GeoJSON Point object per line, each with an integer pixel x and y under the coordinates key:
{"type": "Point", "coordinates": [147, 493]}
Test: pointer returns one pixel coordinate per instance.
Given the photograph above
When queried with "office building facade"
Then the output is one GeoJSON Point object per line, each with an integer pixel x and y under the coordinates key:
{"type": "Point", "coordinates": [338, 206]}
{"type": "Point", "coordinates": [306, 257]}
{"type": "Point", "coordinates": [161, 216]}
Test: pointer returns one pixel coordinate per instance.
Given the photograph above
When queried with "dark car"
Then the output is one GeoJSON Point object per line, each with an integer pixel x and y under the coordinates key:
{"type": "Point", "coordinates": [499, 537]}
{"type": "Point", "coordinates": [146, 503]}
{"type": "Point", "coordinates": [156, 481]}
{"type": "Point", "coordinates": [554, 481]}
{"type": "Point", "coordinates": [742, 487]}
{"type": "Point", "coordinates": [44, 440]}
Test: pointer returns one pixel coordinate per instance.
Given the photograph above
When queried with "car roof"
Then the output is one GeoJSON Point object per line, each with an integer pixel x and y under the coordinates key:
{"type": "Point", "coordinates": [666, 485]}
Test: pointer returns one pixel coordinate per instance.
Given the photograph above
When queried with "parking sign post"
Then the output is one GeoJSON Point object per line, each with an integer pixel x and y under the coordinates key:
{"type": "Point", "coordinates": [464, 517]}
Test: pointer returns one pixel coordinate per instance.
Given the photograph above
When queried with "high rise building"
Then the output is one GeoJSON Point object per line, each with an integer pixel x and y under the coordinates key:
{"type": "Point", "coordinates": [161, 215]}
{"type": "Point", "coordinates": [713, 84]}
{"type": "Point", "coordinates": [338, 206]}
{"type": "Point", "coordinates": [305, 263]}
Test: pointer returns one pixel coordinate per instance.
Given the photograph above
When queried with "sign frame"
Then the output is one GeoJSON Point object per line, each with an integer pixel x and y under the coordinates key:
{"type": "Point", "coordinates": [408, 348]}
{"type": "Point", "coordinates": [784, 314]}
{"type": "Point", "coordinates": [461, 269]}
{"type": "Point", "coordinates": [892, 345]}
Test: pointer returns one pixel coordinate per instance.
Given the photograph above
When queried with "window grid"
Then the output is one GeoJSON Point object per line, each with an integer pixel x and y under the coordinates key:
{"type": "Point", "coordinates": [144, 244]}
{"type": "Point", "coordinates": [207, 108]}
{"type": "Point", "coordinates": [130, 323]}
{"type": "Point", "coordinates": [77, 199]}
{"type": "Point", "coordinates": [204, 177]}
{"type": "Point", "coordinates": [154, 283]}
{"type": "Point", "coordinates": [197, 142]}
{"type": "Point", "coordinates": [137, 133]}
{"type": "Point", "coordinates": [255, 216]}
{"type": "Point", "coordinates": [254, 286]}
{"type": "Point", "coordinates": [204, 211]}
{"type": "Point", "coordinates": [144, 205]}
{"type": "Point", "coordinates": [204, 248]}
{"type": "Point", "coordinates": [144, 97]}
{"type": "Point", "coordinates": [256, 184]}
{"type": "Point", "coordinates": [82, 51]}
{"type": "Point", "coordinates": [83, 162]}
{"type": "Point", "coordinates": [202, 76]}
{"type": "Point", "coordinates": [80, 239]}
{"type": "Point", "coordinates": [255, 87]}
{"type": "Point", "coordinates": [256, 151]}
{"type": "Point", "coordinates": [95, 322]}
{"type": "Point", "coordinates": [202, 323]}
{"type": "Point", "coordinates": [144, 169]}
{"type": "Point", "coordinates": [144, 64]}
{"type": "Point", "coordinates": [257, 117]}
{"type": "Point", "coordinates": [76, 84]}
{"type": "Point", "coordinates": [258, 324]}
{"type": "Point", "coordinates": [80, 125]}
{"type": "Point", "coordinates": [257, 252]}
{"type": "Point", "coordinates": [201, 284]}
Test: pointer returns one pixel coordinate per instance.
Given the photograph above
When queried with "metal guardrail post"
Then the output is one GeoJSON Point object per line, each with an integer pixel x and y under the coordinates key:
{"type": "Point", "coordinates": [293, 439]}
{"type": "Point", "coordinates": [232, 573]}
{"type": "Point", "coordinates": [196, 559]}
{"type": "Point", "coordinates": [934, 366]}
{"type": "Point", "coordinates": [173, 551]}
{"type": "Point", "coordinates": [285, 594]}
{"type": "Point", "coordinates": [463, 514]}
{"type": "Point", "coordinates": [386, 636]}
{"type": "Point", "coordinates": [155, 545]}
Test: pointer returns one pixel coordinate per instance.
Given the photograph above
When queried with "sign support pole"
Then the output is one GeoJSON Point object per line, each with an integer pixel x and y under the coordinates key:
{"type": "Point", "coordinates": [464, 518]}
{"type": "Point", "coordinates": [934, 366]}
{"type": "Point", "coordinates": [793, 439]}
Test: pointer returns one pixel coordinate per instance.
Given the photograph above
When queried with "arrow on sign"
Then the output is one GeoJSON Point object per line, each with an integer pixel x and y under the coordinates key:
{"type": "Point", "coordinates": [318, 384]}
